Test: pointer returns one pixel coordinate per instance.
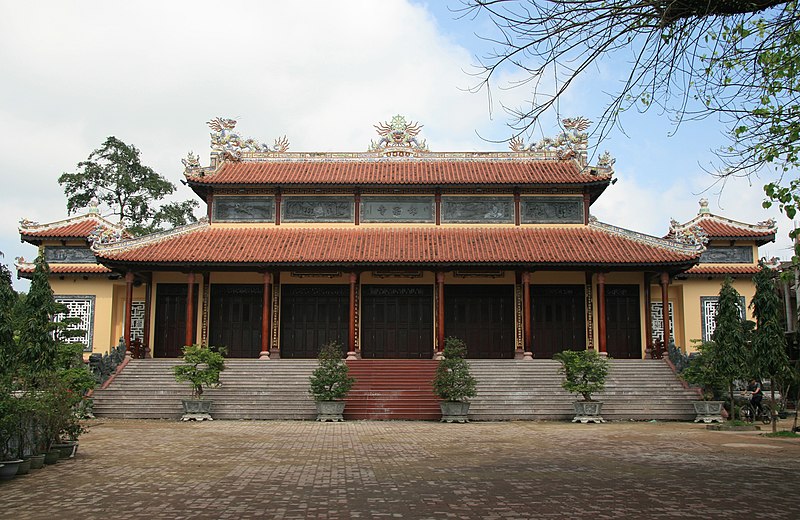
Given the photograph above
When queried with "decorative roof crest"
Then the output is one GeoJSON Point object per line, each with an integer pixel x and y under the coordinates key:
{"type": "Point", "coordinates": [769, 223]}
{"type": "Point", "coordinates": [703, 207]}
{"type": "Point", "coordinates": [570, 143]}
{"type": "Point", "coordinates": [105, 235]}
{"type": "Point", "coordinates": [398, 138]}
{"type": "Point", "coordinates": [94, 207]}
{"type": "Point", "coordinates": [27, 223]}
{"type": "Point", "coordinates": [231, 145]}
{"type": "Point", "coordinates": [690, 235]}
{"type": "Point", "coordinates": [605, 163]}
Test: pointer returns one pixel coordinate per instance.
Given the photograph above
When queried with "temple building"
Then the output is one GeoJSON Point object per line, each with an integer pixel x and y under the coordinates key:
{"type": "Point", "coordinates": [389, 251]}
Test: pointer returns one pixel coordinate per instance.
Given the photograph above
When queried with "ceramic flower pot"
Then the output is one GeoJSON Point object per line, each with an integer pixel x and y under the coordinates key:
{"type": "Point", "coordinates": [708, 411]}
{"type": "Point", "coordinates": [454, 411]}
{"type": "Point", "coordinates": [37, 461]}
{"type": "Point", "coordinates": [588, 411]}
{"type": "Point", "coordinates": [330, 411]}
{"type": "Point", "coordinates": [8, 468]}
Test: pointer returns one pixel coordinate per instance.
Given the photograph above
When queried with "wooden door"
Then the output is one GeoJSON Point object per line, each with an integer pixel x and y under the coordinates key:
{"type": "Point", "coordinates": [170, 326]}
{"type": "Point", "coordinates": [311, 316]}
{"type": "Point", "coordinates": [396, 322]}
{"type": "Point", "coordinates": [623, 328]}
{"type": "Point", "coordinates": [482, 316]}
{"type": "Point", "coordinates": [559, 319]}
{"type": "Point", "coordinates": [235, 318]}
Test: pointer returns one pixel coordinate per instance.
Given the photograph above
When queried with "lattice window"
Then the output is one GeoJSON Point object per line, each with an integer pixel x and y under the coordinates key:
{"type": "Point", "coordinates": [137, 320]}
{"type": "Point", "coordinates": [709, 307]}
{"type": "Point", "coordinates": [657, 321]}
{"type": "Point", "coordinates": [82, 308]}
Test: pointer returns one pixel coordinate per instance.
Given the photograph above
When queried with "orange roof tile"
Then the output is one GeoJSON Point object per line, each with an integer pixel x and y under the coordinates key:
{"type": "Point", "coordinates": [717, 228]}
{"type": "Point", "coordinates": [704, 269]}
{"type": "Point", "coordinates": [80, 226]}
{"type": "Point", "coordinates": [596, 244]}
{"type": "Point", "coordinates": [23, 269]}
{"type": "Point", "coordinates": [399, 172]}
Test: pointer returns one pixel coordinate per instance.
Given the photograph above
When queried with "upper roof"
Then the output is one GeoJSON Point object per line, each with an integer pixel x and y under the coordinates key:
{"type": "Point", "coordinates": [715, 227]}
{"type": "Point", "coordinates": [247, 247]}
{"type": "Point", "coordinates": [399, 158]}
{"type": "Point", "coordinates": [77, 227]}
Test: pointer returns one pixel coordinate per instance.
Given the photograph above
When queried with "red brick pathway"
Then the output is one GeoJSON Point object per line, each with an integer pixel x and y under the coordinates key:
{"type": "Point", "coordinates": [239, 469]}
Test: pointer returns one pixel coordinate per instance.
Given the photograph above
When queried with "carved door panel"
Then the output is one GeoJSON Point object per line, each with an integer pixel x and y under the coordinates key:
{"type": "Point", "coordinates": [311, 316]}
{"type": "Point", "coordinates": [396, 322]}
{"type": "Point", "coordinates": [483, 316]}
{"type": "Point", "coordinates": [170, 326]}
{"type": "Point", "coordinates": [559, 319]}
{"type": "Point", "coordinates": [623, 328]}
{"type": "Point", "coordinates": [235, 319]}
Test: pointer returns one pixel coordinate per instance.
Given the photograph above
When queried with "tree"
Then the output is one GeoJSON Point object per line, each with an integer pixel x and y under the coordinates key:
{"type": "Point", "coordinates": [729, 339]}
{"type": "Point", "coordinates": [768, 357]}
{"type": "Point", "coordinates": [38, 343]}
{"type": "Point", "coordinates": [736, 60]}
{"type": "Point", "coordinates": [114, 175]}
{"type": "Point", "coordinates": [8, 300]}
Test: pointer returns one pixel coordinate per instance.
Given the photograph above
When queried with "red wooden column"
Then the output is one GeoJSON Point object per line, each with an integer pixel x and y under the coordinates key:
{"type": "Point", "coordinates": [357, 209]}
{"type": "Point", "coordinates": [148, 294]}
{"type": "Point", "coordinates": [190, 310]}
{"type": "Point", "coordinates": [128, 312]}
{"type": "Point", "coordinates": [439, 313]}
{"type": "Point", "coordinates": [517, 210]}
{"type": "Point", "coordinates": [438, 207]}
{"type": "Point", "coordinates": [351, 336]}
{"type": "Point", "coordinates": [265, 317]}
{"type": "Point", "coordinates": [527, 353]}
{"type": "Point", "coordinates": [278, 207]}
{"type": "Point", "coordinates": [601, 312]}
{"type": "Point", "coordinates": [648, 313]}
{"type": "Point", "coordinates": [665, 306]}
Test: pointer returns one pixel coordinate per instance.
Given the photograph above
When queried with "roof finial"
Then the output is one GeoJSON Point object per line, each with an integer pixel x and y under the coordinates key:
{"type": "Point", "coordinates": [93, 206]}
{"type": "Point", "coordinates": [704, 207]}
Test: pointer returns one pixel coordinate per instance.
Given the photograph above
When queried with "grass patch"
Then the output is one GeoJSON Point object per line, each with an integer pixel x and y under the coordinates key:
{"type": "Point", "coordinates": [784, 433]}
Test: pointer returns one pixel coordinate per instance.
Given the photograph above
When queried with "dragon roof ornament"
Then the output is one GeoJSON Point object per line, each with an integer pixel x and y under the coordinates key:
{"type": "Point", "coordinates": [105, 235]}
{"type": "Point", "coordinates": [230, 145]}
{"type": "Point", "coordinates": [398, 138]}
{"type": "Point", "coordinates": [569, 144]}
{"type": "Point", "coordinates": [693, 235]}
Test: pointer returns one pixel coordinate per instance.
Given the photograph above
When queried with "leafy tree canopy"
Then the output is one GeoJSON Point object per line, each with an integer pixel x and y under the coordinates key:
{"type": "Point", "coordinates": [116, 177]}
{"type": "Point", "coordinates": [735, 60]}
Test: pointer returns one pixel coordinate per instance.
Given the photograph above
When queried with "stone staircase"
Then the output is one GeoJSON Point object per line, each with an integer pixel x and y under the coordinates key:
{"type": "Point", "coordinates": [531, 390]}
{"type": "Point", "coordinates": [393, 389]}
{"type": "Point", "coordinates": [250, 389]}
{"type": "Point", "coordinates": [396, 389]}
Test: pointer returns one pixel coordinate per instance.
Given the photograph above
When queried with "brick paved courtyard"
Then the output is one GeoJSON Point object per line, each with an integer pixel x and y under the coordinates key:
{"type": "Point", "coordinates": [228, 469]}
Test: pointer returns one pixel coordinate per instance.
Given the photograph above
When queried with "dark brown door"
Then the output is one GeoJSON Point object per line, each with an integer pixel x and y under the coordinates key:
{"type": "Point", "coordinates": [235, 321]}
{"type": "Point", "coordinates": [311, 316]}
{"type": "Point", "coordinates": [396, 322]}
{"type": "Point", "coordinates": [482, 316]}
{"type": "Point", "coordinates": [623, 330]}
{"type": "Point", "coordinates": [559, 319]}
{"type": "Point", "coordinates": [170, 327]}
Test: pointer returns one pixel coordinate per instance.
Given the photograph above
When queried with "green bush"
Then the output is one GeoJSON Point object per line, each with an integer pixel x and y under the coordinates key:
{"type": "Point", "coordinates": [585, 372]}
{"type": "Point", "coordinates": [331, 381]}
{"type": "Point", "coordinates": [453, 381]}
{"type": "Point", "coordinates": [201, 368]}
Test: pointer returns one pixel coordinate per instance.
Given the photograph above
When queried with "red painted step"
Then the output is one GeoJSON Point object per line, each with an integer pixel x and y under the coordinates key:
{"type": "Point", "coordinates": [393, 389]}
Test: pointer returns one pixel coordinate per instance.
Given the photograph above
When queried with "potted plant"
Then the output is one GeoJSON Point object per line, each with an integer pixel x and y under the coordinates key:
{"type": "Point", "coordinates": [201, 368]}
{"type": "Point", "coordinates": [585, 373]}
{"type": "Point", "coordinates": [699, 371]}
{"type": "Point", "coordinates": [9, 422]}
{"type": "Point", "coordinates": [330, 383]}
{"type": "Point", "coordinates": [453, 383]}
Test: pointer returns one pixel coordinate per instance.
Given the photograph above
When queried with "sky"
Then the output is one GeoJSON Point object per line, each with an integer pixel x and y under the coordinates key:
{"type": "Point", "coordinates": [151, 73]}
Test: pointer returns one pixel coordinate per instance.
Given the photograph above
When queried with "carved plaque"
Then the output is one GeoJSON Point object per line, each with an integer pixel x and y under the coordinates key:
{"type": "Point", "coordinates": [478, 209]}
{"type": "Point", "coordinates": [547, 210]}
{"type": "Point", "coordinates": [317, 209]}
{"type": "Point", "coordinates": [397, 209]}
{"type": "Point", "coordinates": [68, 255]}
{"type": "Point", "coordinates": [244, 209]}
{"type": "Point", "coordinates": [727, 255]}
{"type": "Point", "coordinates": [397, 290]}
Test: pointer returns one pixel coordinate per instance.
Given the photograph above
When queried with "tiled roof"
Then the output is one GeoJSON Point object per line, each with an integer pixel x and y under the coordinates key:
{"type": "Point", "coordinates": [703, 269]}
{"type": "Point", "coordinates": [400, 172]}
{"type": "Point", "coordinates": [27, 268]}
{"type": "Point", "coordinates": [596, 244]}
{"type": "Point", "coordinates": [80, 226]}
{"type": "Point", "coordinates": [722, 228]}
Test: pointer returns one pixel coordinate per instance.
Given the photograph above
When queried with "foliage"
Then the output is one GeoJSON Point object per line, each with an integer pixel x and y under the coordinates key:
{"type": "Point", "coordinates": [700, 371]}
{"type": "Point", "coordinates": [38, 341]}
{"type": "Point", "coordinates": [8, 300]}
{"type": "Point", "coordinates": [201, 368]}
{"type": "Point", "coordinates": [8, 419]}
{"type": "Point", "coordinates": [730, 339]}
{"type": "Point", "coordinates": [784, 433]}
{"type": "Point", "coordinates": [115, 176]}
{"type": "Point", "coordinates": [331, 381]}
{"type": "Point", "coordinates": [453, 381]}
{"type": "Point", "coordinates": [585, 372]}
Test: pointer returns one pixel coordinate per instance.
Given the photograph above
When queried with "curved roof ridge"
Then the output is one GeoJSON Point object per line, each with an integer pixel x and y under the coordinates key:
{"type": "Point", "coordinates": [28, 227]}
{"type": "Point", "coordinates": [130, 243]}
{"type": "Point", "coordinates": [668, 243]}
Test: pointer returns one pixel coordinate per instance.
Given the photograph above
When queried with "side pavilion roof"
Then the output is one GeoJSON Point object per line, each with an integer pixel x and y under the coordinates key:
{"type": "Point", "coordinates": [596, 245]}
{"type": "Point", "coordinates": [77, 227]}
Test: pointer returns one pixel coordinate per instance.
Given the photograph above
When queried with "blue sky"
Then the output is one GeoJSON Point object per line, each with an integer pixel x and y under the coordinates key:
{"type": "Point", "coordinates": [322, 73]}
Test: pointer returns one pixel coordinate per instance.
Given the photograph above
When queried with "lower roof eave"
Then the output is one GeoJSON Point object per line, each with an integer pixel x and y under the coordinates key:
{"type": "Point", "coordinates": [672, 268]}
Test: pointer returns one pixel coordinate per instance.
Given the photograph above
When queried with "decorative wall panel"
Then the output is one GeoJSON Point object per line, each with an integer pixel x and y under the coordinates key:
{"type": "Point", "coordinates": [246, 208]}
{"type": "Point", "coordinates": [657, 321]}
{"type": "Point", "coordinates": [709, 306]}
{"type": "Point", "coordinates": [727, 255]}
{"type": "Point", "coordinates": [137, 320]}
{"type": "Point", "coordinates": [68, 255]}
{"type": "Point", "coordinates": [546, 210]}
{"type": "Point", "coordinates": [82, 308]}
{"type": "Point", "coordinates": [317, 209]}
{"type": "Point", "coordinates": [478, 209]}
{"type": "Point", "coordinates": [397, 209]}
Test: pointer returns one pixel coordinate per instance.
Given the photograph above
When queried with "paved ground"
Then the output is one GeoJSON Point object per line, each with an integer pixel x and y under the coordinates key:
{"type": "Point", "coordinates": [228, 469]}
